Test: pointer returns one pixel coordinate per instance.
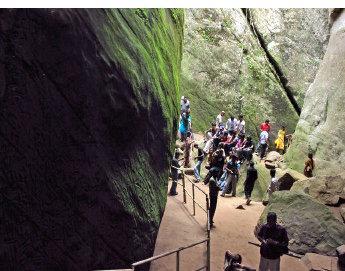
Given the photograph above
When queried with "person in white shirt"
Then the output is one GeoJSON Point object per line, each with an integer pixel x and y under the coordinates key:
{"type": "Point", "coordinates": [185, 104]}
{"type": "Point", "coordinates": [219, 119]}
{"type": "Point", "coordinates": [273, 186]}
{"type": "Point", "coordinates": [231, 124]}
{"type": "Point", "coordinates": [241, 125]}
{"type": "Point", "coordinates": [263, 143]}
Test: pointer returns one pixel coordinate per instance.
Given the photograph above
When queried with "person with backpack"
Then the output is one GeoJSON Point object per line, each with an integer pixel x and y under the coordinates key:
{"type": "Point", "coordinates": [274, 243]}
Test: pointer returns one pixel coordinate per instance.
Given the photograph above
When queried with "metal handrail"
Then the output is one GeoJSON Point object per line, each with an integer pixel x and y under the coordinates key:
{"type": "Point", "coordinates": [134, 265]}
{"type": "Point", "coordinates": [207, 240]}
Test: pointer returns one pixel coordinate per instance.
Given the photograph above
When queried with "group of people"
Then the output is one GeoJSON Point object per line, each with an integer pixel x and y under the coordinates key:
{"type": "Point", "coordinates": [227, 148]}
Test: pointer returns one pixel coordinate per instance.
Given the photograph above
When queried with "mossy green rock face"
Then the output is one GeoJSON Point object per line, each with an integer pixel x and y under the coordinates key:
{"type": "Point", "coordinates": [89, 102]}
{"type": "Point", "coordinates": [321, 128]}
{"type": "Point", "coordinates": [311, 226]}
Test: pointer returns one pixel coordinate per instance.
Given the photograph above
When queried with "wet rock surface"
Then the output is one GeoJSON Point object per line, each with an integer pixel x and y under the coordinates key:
{"type": "Point", "coordinates": [82, 95]}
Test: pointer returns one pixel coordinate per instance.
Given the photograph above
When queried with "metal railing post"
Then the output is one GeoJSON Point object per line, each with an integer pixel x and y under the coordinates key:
{"type": "Point", "coordinates": [184, 188]}
{"type": "Point", "coordinates": [208, 260]}
{"type": "Point", "coordinates": [193, 194]}
{"type": "Point", "coordinates": [178, 260]}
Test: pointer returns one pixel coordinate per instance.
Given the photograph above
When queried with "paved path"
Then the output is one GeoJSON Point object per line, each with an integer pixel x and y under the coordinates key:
{"type": "Point", "coordinates": [234, 228]}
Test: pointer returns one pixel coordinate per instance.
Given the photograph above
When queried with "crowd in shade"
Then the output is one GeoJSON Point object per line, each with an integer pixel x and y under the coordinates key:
{"type": "Point", "coordinates": [225, 149]}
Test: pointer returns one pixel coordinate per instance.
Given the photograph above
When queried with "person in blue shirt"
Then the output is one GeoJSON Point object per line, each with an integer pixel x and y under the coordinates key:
{"type": "Point", "coordinates": [185, 124]}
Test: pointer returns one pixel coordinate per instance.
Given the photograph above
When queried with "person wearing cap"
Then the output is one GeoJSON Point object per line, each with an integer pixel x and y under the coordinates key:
{"type": "Point", "coordinates": [274, 243]}
{"type": "Point", "coordinates": [219, 119]}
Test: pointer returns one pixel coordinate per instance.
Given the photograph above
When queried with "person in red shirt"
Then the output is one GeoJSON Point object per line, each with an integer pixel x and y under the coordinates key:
{"type": "Point", "coordinates": [265, 126]}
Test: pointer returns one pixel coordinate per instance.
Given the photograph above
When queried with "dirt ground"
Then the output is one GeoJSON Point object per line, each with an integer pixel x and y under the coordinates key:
{"type": "Point", "coordinates": [234, 228]}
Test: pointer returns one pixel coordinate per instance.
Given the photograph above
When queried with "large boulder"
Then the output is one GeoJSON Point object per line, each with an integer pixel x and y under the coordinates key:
{"type": "Point", "coordinates": [288, 178]}
{"type": "Point", "coordinates": [89, 106]}
{"type": "Point", "coordinates": [311, 226]}
{"type": "Point", "coordinates": [329, 190]}
{"type": "Point", "coordinates": [321, 127]}
{"type": "Point", "coordinates": [317, 262]}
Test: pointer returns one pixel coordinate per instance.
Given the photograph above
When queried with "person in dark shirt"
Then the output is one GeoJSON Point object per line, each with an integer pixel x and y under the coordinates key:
{"type": "Point", "coordinates": [232, 167]}
{"type": "Point", "coordinates": [174, 174]}
{"type": "Point", "coordinates": [213, 193]}
{"type": "Point", "coordinates": [252, 175]}
{"type": "Point", "coordinates": [216, 165]}
{"type": "Point", "coordinates": [199, 159]}
{"type": "Point", "coordinates": [274, 243]}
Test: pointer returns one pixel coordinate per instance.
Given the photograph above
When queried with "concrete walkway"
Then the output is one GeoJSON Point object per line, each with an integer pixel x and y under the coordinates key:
{"type": "Point", "coordinates": [234, 228]}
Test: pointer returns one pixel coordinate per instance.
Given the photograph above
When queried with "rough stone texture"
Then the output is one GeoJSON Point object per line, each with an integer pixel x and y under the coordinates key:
{"type": "Point", "coordinates": [297, 40]}
{"type": "Point", "coordinates": [82, 95]}
{"type": "Point", "coordinates": [321, 128]}
{"type": "Point", "coordinates": [341, 255]}
{"type": "Point", "coordinates": [224, 68]}
{"type": "Point", "coordinates": [273, 156]}
{"type": "Point", "coordinates": [288, 178]}
{"type": "Point", "coordinates": [310, 224]}
{"type": "Point", "coordinates": [342, 213]}
{"type": "Point", "coordinates": [317, 262]}
{"type": "Point", "coordinates": [329, 190]}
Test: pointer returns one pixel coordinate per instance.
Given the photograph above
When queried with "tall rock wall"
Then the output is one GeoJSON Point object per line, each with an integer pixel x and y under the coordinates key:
{"type": "Point", "coordinates": [230, 59]}
{"type": "Point", "coordinates": [88, 112]}
{"type": "Point", "coordinates": [321, 128]}
{"type": "Point", "coordinates": [296, 39]}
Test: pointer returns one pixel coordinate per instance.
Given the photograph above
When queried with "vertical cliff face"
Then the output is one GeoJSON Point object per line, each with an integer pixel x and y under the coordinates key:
{"type": "Point", "coordinates": [296, 40]}
{"type": "Point", "coordinates": [258, 62]}
{"type": "Point", "coordinates": [321, 128]}
{"type": "Point", "coordinates": [83, 96]}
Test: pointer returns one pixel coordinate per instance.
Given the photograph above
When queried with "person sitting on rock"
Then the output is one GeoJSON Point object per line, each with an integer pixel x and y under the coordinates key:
{"type": "Point", "coordinates": [309, 166]}
{"type": "Point", "coordinates": [252, 175]}
{"type": "Point", "coordinates": [174, 173]}
{"type": "Point", "coordinates": [240, 145]}
{"type": "Point", "coordinates": [274, 243]}
{"type": "Point", "coordinates": [247, 151]}
{"type": "Point", "coordinates": [280, 141]}
{"type": "Point", "coordinates": [199, 159]}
